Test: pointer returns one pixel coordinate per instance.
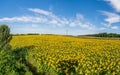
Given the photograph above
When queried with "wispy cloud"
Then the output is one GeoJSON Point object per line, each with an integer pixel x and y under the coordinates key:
{"type": "Point", "coordinates": [62, 21]}
{"type": "Point", "coordinates": [111, 17]}
{"type": "Point", "coordinates": [30, 19]}
{"type": "Point", "coordinates": [114, 27]}
{"type": "Point", "coordinates": [110, 20]}
{"type": "Point", "coordinates": [40, 11]}
{"type": "Point", "coordinates": [47, 17]}
{"type": "Point", "coordinates": [115, 4]}
{"type": "Point", "coordinates": [102, 28]}
{"type": "Point", "coordinates": [106, 24]}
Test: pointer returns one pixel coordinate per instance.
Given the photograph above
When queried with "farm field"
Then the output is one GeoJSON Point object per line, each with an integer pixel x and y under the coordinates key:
{"type": "Point", "coordinates": [62, 55]}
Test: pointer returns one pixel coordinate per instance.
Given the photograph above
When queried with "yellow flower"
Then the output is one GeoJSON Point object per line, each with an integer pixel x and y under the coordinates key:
{"type": "Point", "coordinates": [80, 72]}
{"type": "Point", "coordinates": [93, 55]}
{"type": "Point", "coordinates": [113, 73]}
{"type": "Point", "coordinates": [87, 71]}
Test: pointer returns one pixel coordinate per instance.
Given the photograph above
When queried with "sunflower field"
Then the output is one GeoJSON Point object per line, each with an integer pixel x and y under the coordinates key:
{"type": "Point", "coordinates": [63, 55]}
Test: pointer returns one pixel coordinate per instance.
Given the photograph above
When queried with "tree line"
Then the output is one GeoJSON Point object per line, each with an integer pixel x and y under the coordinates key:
{"type": "Point", "coordinates": [105, 34]}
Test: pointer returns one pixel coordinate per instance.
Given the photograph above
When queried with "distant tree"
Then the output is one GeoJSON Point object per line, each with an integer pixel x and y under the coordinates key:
{"type": "Point", "coordinates": [5, 36]}
{"type": "Point", "coordinates": [105, 35]}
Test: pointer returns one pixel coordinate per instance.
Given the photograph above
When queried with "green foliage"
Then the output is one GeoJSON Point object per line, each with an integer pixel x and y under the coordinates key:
{"type": "Point", "coordinates": [5, 36]}
{"type": "Point", "coordinates": [14, 62]}
{"type": "Point", "coordinates": [4, 32]}
{"type": "Point", "coordinates": [44, 69]}
{"type": "Point", "coordinates": [9, 65]}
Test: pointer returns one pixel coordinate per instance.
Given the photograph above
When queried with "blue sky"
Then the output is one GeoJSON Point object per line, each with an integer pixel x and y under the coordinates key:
{"type": "Point", "coordinates": [77, 17]}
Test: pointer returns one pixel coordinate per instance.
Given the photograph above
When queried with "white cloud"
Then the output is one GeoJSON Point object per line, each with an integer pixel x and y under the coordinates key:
{"type": "Point", "coordinates": [62, 21]}
{"type": "Point", "coordinates": [40, 11]}
{"type": "Point", "coordinates": [24, 19]}
{"type": "Point", "coordinates": [34, 25]}
{"type": "Point", "coordinates": [115, 4]}
{"type": "Point", "coordinates": [49, 18]}
{"type": "Point", "coordinates": [114, 27]}
{"type": "Point", "coordinates": [106, 24]}
{"type": "Point", "coordinates": [110, 20]}
{"type": "Point", "coordinates": [79, 16]}
{"type": "Point", "coordinates": [52, 18]}
{"type": "Point", "coordinates": [111, 17]}
{"type": "Point", "coordinates": [79, 22]}
{"type": "Point", "coordinates": [102, 28]}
